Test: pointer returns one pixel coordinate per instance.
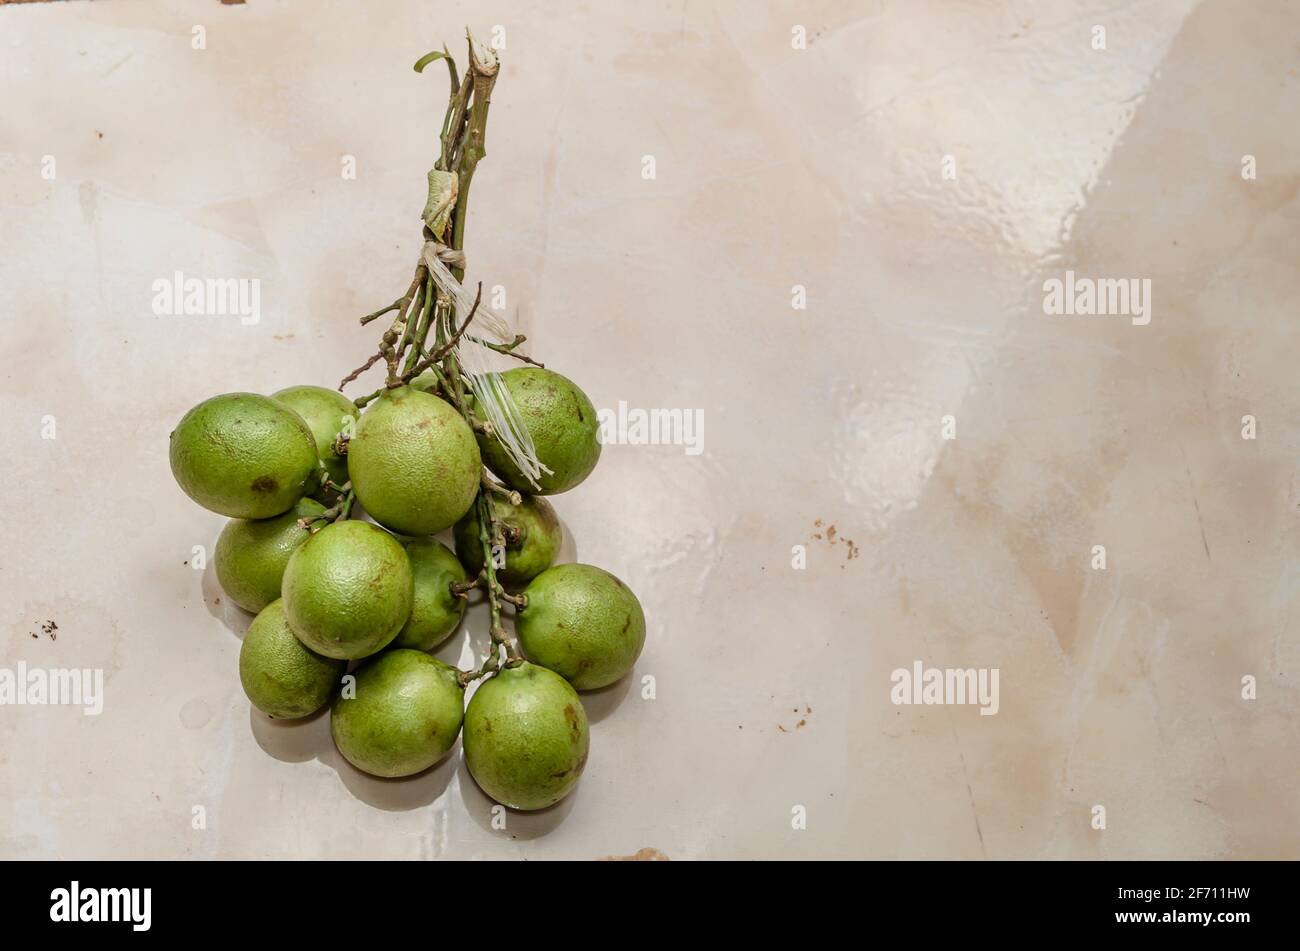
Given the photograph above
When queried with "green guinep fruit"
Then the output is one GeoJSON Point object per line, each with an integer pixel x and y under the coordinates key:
{"type": "Point", "coordinates": [531, 531]}
{"type": "Point", "coordinates": [404, 716]}
{"type": "Point", "coordinates": [582, 623]}
{"type": "Point", "coordinates": [326, 413]}
{"type": "Point", "coordinates": [251, 554]}
{"type": "Point", "coordinates": [413, 462]}
{"type": "Point", "coordinates": [281, 677]}
{"type": "Point", "coordinates": [435, 611]}
{"type": "Point", "coordinates": [244, 455]}
{"type": "Point", "coordinates": [526, 737]}
{"type": "Point", "coordinates": [426, 382]}
{"type": "Point", "coordinates": [562, 423]}
{"type": "Point", "coordinates": [348, 590]}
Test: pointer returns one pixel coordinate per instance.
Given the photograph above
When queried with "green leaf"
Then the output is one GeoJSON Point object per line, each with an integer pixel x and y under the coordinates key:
{"type": "Point", "coordinates": [433, 57]}
{"type": "Point", "coordinates": [428, 58]}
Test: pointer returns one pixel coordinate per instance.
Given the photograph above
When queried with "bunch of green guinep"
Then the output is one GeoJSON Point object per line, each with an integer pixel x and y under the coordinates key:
{"type": "Point", "coordinates": [330, 590]}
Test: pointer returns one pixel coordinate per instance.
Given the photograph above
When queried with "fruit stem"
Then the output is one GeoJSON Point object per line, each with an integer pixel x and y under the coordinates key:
{"type": "Point", "coordinates": [490, 536]}
{"type": "Point", "coordinates": [339, 511]}
{"type": "Point", "coordinates": [510, 495]}
{"type": "Point", "coordinates": [331, 486]}
{"type": "Point", "coordinates": [482, 76]}
{"type": "Point", "coordinates": [455, 117]}
{"type": "Point", "coordinates": [462, 149]}
{"type": "Point", "coordinates": [507, 348]}
{"type": "Point", "coordinates": [421, 332]}
{"type": "Point", "coordinates": [461, 589]}
{"type": "Point", "coordinates": [444, 348]}
{"type": "Point", "coordinates": [398, 336]}
{"type": "Point", "coordinates": [389, 349]}
{"type": "Point", "coordinates": [379, 313]}
{"type": "Point", "coordinates": [491, 664]}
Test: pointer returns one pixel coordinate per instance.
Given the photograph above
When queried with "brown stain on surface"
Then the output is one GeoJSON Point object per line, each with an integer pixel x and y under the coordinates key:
{"type": "Point", "coordinates": [803, 720]}
{"type": "Point", "coordinates": [833, 537]}
{"type": "Point", "coordinates": [641, 855]}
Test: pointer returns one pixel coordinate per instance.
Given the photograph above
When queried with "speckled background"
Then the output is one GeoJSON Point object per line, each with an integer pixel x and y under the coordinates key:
{"type": "Point", "coordinates": [822, 167]}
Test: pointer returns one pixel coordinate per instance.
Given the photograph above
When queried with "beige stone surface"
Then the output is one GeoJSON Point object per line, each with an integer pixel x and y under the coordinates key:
{"type": "Point", "coordinates": [821, 167]}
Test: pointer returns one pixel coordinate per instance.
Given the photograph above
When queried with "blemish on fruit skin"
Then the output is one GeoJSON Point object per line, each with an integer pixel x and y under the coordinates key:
{"type": "Point", "coordinates": [575, 731]}
{"type": "Point", "coordinates": [263, 484]}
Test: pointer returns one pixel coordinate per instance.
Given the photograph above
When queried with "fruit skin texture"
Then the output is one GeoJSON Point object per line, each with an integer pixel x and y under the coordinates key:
{"type": "Point", "coordinates": [251, 554]}
{"type": "Point", "coordinates": [582, 623]}
{"type": "Point", "coordinates": [532, 535]}
{"type": "Point", "coordinates": [564, 427]}
{"type": "Point", "coordinates": [526, 737]}
{"type": "Point", "coordinates": [435, 612]}
{"type": "Point", "coordinates": [324, 412]}
{"type": "Point", "coordinates": [348, 590]}
{"type": "Point", "coordinates": [405, 716]}
{"type": "Point", "coordinates": [414, 463]}
{"type": "Point", "coordinates": [281, 677]}
{"type": "Point", "coordinates": [244, 455]}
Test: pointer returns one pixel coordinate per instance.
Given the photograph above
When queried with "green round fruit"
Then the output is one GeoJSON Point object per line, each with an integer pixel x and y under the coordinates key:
{"type": "Point", "coordinates": [426, 382]}
{"type": "Point", "coordinates": [404, 716]}
{"type": "Point", "coordinates": [435, 611]}
{"type": "Point", "coordinates": [280, 676]}
{"type": "Point", "coordinates": [532, 535]}
{"type": "Point", "coordinates": [348, 590]}
{"type": "Point", "coordinates": [562, 423]}
{"type": "Point", "coordinates": [251, 554]}
{"type": "Point", "coordinates": [582, 623]}
{"type": "Point", "coordinates": [414, 463]}
{"type": "Point", "coordinates": [244, 455]}
{"type": "Point", "coordinates": [526, 737]}
{"type": "Point", "coordinates": [327, 413]}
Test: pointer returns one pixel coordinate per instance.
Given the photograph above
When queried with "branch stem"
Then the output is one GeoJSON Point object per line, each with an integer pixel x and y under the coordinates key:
{"type": "Point", "coordinates": [462, 145]}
